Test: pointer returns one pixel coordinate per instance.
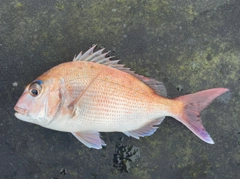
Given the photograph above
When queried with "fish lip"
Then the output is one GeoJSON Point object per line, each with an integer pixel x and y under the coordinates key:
{"type": "Point", "coordinates": [21, 111]}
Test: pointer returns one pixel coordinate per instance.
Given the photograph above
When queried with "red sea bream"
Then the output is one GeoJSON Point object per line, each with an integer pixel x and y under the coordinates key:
{"type": "Point", "coordinates": [93, 94]}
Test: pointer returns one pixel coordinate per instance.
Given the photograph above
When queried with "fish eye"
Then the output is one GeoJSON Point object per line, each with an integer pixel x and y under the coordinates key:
{"type": "Point", "coordinates": [35, 88]}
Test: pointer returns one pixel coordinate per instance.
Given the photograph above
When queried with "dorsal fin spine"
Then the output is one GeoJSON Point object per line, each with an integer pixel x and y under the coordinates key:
{"type": "Point", "coordinates": [100, 58]}
{"type": "Point", "coordinates": [86, 54]}
{"type": "Point", "coordinates": [95, 54]}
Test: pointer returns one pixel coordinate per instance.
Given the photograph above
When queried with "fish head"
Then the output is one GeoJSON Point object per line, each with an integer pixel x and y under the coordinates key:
{"type": "Point", "coordinates": [40, 102]}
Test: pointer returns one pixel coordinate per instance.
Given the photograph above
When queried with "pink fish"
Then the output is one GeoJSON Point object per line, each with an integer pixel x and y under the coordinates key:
{"type": "Point", "coordinates": [93, 94]}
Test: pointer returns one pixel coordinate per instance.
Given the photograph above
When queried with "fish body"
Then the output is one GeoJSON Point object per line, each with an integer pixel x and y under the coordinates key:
{"type": "Point", "coordinates": [93, 94]}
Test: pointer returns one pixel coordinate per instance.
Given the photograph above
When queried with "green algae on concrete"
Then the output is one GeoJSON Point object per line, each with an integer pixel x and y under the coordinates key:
{"type": "Point", "coordinates": [199, 71]}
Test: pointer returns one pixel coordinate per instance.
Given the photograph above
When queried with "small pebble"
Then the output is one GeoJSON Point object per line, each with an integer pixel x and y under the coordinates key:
{"type": "Point", "coordinates": [15, 84]}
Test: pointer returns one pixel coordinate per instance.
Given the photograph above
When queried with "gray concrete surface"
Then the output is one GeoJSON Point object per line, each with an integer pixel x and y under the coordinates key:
{"type": "Point", "coordinates": [194, 44]}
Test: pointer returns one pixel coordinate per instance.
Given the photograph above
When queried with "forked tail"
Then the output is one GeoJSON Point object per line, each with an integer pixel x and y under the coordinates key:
{"type": "Point", "coordinates": [193, 105]}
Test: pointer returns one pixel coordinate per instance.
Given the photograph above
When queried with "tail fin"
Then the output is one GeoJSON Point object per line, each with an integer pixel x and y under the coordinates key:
{"type": "Point", "coordinates": [193, 105]}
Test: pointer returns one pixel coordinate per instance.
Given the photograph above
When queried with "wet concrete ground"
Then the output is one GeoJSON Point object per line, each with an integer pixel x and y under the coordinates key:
{"type": "Point", "coordinates": [189, 45]}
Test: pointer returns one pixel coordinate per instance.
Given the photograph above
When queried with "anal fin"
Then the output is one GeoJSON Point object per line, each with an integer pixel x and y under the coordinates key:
{"type": "Point", "coordinates": [146, 130]}
{"type": "Point", "coordinates": [90, 138]}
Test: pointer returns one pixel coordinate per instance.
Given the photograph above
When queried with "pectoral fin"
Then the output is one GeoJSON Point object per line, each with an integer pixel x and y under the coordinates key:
{"type": "Point", "coordinates": [90, 138]}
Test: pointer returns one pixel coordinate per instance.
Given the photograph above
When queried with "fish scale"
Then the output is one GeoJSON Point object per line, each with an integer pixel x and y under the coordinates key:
{"type": "Point", "coordinates": [98, 106]}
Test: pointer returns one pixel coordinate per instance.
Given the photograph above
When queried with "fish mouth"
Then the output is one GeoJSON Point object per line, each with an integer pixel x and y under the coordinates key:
{"type": "Point", "coordinates": [21, 111]}
{"type": "Point", "coordinates": [21, 114]}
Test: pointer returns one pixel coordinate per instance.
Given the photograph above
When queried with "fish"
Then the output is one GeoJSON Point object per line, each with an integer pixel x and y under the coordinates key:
{"type": "Point", "coordinates": [94, 94]}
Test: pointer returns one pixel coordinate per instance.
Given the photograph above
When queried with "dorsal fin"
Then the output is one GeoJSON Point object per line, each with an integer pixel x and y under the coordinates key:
{"type": "Point", "coordinates": [100, 57]}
